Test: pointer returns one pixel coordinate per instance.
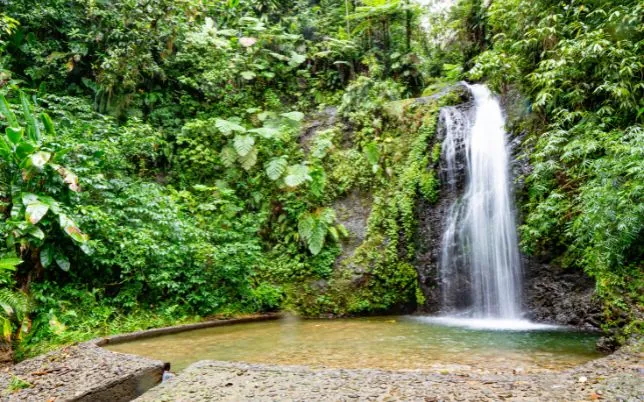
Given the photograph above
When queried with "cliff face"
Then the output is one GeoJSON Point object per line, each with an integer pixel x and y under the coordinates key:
{"type": "Point", "coordinates": [432, 219]}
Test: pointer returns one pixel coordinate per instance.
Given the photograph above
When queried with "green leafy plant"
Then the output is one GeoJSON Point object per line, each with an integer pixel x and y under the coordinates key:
{"type": "Point", "coordinates": [314, 228]}
{"type": "Point", "coordinates": [33, 173]}
{"type": "Point", "coordinates": [14, 305]}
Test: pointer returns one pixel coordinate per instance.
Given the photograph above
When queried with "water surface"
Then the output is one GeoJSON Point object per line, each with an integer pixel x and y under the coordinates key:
{"type": "Point", "coordinates": [395, 343]}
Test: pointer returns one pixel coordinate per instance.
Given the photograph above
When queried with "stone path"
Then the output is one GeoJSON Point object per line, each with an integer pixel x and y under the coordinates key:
{"type": "Point", "coordinates": [618, 377]}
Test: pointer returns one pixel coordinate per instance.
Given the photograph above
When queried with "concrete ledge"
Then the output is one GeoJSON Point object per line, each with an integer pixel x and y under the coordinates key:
{"type": "Point", "coordinates": [150, 333]}
{"type": "Point", "coordinates": [82, 372]}
{"type": "Point", "coordinates": [88, 373]}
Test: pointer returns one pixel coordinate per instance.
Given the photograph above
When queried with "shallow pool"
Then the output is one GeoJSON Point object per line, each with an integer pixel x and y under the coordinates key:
{"type": "Point", "coordinates": [396, 343]}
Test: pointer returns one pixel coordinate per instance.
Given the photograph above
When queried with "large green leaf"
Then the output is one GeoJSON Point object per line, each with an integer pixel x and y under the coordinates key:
{"type": "Point", "coordinates": [36, 211]}
{"type": "Point", "coordinates": [296, 175]}
{"type": "Point", "coordinates": [243, 144]}
{"type": "Point", "coordinates": [24, 149]}
{"type": "Point", "coordinates": [265, 132]}
{"type": "Point", "coordinates": [249, 160]}
{"type": "Point", "coordinates": [5, 110]}
{"type": "Point", "coordinates": [72, 230]}
{"type": "Point", "coordinates": [276, 167]}
{"type": "Point", "coordinates": [9, 263]}
{"type": "Point", "coordinates": [295, 116]}
{"type": "Point", "coordinates": [227, 127]}
{"type": "Point", "coordinates": [36, 232]}
{"type": "Point", "coordinates": [46, 256]}
{"type": "Point", "coordinates": [63, 262]}
{"type": "Point", "coordinates": [228, 156]}
{"type": "Point", "coordinates": [14, 134]}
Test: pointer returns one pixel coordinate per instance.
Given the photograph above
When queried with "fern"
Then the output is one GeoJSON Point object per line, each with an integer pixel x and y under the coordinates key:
{"type": "Point", "coordinates": [249, 160]}
{"type": "Point", "coordinates": [14, 307]}
{"type": "Point", "coordinates": [228, 156]}
{"type": "Point", "coordinates": [314, 227]}
{"type": "Point", "coordinates": [243, 144]}
{"type": "Point", "coordinates": [276, 167]}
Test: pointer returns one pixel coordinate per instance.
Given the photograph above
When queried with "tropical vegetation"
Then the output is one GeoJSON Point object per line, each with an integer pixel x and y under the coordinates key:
{"type": "Point", "coordinates": [157, 161]}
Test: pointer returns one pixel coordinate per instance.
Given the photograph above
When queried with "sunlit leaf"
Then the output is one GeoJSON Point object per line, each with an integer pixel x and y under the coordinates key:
{"type": "Point", "coordinates": [35, 211]}
{"type": "Point", "coordinates": [228, 156]}
{"type": "Point", "coordinates": [296, 175]}
{"type": "Point", "coordinates": [248, 75]}
{"type": "Point", "coordinates": [40, 159]}
{"type": "Point", "coordinates": [295, 116]}
{"type": "Point", "coordinates": [276, 167]}
{"type": "Point", "coordinates": [14, 134]}
{"type": "Point", "coordinates": [247, 41]}
{"type": "Point", "coordinates": [9, 263]}
{"type": "Point", "coordinates": [249, 160]}
{"type": "Point", "coordinates": [243, 144]}
{"type": "Point", "coordinates": [227, 127]}
{"type": "Point", "coordinates": [265, 132]}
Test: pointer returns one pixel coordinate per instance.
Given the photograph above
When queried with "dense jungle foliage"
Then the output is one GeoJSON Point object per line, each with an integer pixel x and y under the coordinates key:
{"type": "Point", "coordinates": [158, 162]}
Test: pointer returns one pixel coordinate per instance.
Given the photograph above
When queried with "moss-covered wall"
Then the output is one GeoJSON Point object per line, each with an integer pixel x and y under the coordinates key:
{"type": "Point", "coordinates": [378, 202]}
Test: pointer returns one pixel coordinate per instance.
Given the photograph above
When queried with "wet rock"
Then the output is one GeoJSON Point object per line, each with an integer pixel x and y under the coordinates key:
{"type": "Point", "coordinates": [432, 220]}
{"type": "Point", "coordinates": [555, 295]}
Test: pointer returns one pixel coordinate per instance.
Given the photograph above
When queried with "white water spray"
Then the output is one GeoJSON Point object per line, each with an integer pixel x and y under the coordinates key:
{"type": "Point", "coordinates": [479, 249]}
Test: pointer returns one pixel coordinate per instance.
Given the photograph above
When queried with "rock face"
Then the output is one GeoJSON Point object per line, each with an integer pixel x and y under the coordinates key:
{"type": "Point", "coordinates": [352, 212]}
{"type": "Point", "coordinates": [552, 294]}
{"type": "Point", "coordinates": [432, 219]}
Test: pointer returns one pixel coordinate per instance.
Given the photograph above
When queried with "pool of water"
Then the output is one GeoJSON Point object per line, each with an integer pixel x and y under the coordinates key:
{"type": "Point", "coordinates": [395, 343]}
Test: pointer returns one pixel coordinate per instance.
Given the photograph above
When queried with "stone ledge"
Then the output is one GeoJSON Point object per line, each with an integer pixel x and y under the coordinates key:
{"type": "Point", "coordinates": [88, 373]}
{"type": "Point", "coordinates": [151, 333]}
{"type": "Point", "coordinates": [84, 372]}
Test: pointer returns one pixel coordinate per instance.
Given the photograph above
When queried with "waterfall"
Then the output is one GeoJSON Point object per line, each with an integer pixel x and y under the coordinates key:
{"type": "Point", "coordinates": [480, 267]}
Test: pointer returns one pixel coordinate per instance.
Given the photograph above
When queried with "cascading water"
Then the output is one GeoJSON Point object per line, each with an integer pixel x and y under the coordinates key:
{"type": "Point", "coordinates": [480, 266]}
